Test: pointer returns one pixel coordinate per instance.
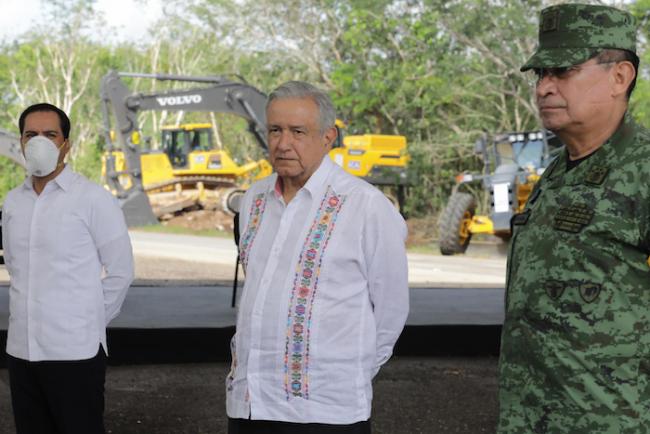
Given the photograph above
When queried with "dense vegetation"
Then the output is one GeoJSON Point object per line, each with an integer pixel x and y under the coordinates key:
{"type": "Point", "coordinates": [440, 72]}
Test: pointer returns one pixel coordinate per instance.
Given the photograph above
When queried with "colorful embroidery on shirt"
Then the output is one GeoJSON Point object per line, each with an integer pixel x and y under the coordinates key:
{"type": "Point", "coordinates": [254, 221]}
{"type": "Point", "coordinates": [296, 356]}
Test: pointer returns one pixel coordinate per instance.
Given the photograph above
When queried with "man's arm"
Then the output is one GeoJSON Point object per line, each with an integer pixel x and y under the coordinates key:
{"type": "Point", "coordinates": [3, 223]}
{"type": "Point", "coordinates": [117, 259]}
{"type": "Point", "coordinates": [385, 254]}
{"type": "Point", "coordinates": [115, 253]}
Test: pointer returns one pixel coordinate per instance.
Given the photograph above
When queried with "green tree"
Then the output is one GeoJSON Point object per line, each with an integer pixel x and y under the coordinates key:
{"type": "Point", "coordinates": [640, 101]}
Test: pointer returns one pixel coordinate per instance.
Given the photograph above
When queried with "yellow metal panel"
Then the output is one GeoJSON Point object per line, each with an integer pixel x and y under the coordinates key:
{"type": "Point", "coordinates": [186, 127]}
{"type": "Point", "coordinates": [376, 142]}
{"type": "Point", "coordinates": [481, 225]}
{"type": "Point", "coordinates": [155, 168]}
{"type": "Point", "coordinates": [362, 153]}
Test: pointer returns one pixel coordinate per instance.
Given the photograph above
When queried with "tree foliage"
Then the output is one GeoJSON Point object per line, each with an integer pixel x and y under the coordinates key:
{"type": "Point", "coordinates": [440, 72]}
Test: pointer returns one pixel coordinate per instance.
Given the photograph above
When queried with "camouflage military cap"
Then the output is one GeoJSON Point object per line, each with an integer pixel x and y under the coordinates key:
{"type": "Point", "coordinates": [570, 34]}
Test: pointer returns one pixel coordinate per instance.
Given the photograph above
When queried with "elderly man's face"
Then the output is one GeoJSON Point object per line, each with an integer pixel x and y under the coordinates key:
{"type": "Point", "coordinates": [296, 144]}
{"type": "Point", "coordinates": [571, 99]}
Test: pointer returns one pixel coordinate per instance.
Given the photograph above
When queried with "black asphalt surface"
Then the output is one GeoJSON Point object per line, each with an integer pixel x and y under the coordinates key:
{"type": "Point", "coordinates": [412, 395]}
{"type": "Point", "coordinates": [167, 307]}
{"type": "Point", "coordinates": [169, 355]}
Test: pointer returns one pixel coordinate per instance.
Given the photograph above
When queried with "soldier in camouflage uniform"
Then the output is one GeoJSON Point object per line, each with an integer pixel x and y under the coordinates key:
{"type": "Point", "coordinates": [575, 355]}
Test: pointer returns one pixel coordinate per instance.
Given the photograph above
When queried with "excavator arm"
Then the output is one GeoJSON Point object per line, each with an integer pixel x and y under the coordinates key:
{"type": "Point", "coordinates": [10, 148]}
{"type": "Point", "coordinates": [219, 95]}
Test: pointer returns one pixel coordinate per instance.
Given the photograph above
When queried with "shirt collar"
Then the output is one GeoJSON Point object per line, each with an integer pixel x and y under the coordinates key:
{"type": "Point", "coordinates": [314, 185]}
{"type": "Point", "coordinates": [63, 180]}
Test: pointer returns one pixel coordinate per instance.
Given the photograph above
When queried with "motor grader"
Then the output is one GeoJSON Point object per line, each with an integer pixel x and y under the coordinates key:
{"type": "Point", "coordinates": [512, 164]}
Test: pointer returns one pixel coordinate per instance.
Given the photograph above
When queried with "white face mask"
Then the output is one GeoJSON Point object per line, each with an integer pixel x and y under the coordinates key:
{"type": "Point", "coordinates": [41, 155]}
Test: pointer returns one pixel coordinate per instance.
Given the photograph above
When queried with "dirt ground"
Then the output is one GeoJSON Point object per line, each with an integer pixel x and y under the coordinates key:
{"type": "Point", "coordinates": [422, 231]}
{"type": "Point", "coordinates": [201, 220]}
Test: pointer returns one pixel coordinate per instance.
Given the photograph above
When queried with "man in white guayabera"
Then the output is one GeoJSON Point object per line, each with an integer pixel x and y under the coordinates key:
{"type": "Point", "coordinates": [326, 290]}
{"type": "Point", "coordinates": [70, 263]}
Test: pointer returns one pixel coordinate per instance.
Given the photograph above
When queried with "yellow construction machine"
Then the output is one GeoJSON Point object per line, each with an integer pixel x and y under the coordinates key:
{"type": "Point", "coordinates": [188, 171]}
{"type": "Point", "coordinates": [379, 159]}
{"type": "Point", "coordinates": [512, 164]}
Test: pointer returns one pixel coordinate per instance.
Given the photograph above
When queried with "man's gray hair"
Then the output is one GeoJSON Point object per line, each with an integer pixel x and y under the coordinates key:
{"type": "Point", "coordinates": [301, 89]}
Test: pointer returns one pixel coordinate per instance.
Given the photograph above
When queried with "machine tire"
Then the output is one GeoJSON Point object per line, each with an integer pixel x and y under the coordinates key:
{"type": "Point", "coordinates": [231, 200]}
{"type": "Point", "coordinates": [452, 225]}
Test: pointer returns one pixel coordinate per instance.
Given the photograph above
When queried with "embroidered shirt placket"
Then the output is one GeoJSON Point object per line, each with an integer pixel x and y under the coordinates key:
{"type": "Point", "coordinates": [267, 277]}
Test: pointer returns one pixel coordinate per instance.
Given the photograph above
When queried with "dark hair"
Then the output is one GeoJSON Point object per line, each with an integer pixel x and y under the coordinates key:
{"type": "Point", "coordinates": [64, 121]}
{"type": "Point", "coordinates": [616, 55]}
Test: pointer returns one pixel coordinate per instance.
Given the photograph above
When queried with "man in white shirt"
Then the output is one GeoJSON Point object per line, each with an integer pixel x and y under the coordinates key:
{"type": "Point", "coordinates": [326, 290]}
{"type": "Point", "coordinates": [69, 258]}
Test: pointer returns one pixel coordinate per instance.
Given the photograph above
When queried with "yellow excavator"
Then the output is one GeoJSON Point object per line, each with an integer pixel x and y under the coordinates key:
{"type": "Point", "coordinates": [189, 171]}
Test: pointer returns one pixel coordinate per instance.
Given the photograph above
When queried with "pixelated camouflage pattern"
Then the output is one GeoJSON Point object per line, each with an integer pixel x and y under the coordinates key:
{"type": "Point", "coordinates": [575, 352]}
{"type": "Point", "coordinates": [570, 34]}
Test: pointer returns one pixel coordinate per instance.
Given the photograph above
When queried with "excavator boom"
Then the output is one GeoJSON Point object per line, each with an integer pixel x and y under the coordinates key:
{"type": "Point", "coordinates": [10, 148]}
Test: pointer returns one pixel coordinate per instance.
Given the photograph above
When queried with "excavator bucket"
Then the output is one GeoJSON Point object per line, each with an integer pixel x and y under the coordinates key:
{"type": "Point", "coordinates": [10, 147]}
{"type": "Point", "coordinates": [137, 210]}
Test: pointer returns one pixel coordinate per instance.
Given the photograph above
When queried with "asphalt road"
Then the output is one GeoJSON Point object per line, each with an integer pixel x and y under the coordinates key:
{"type": "Point", "coordinates": [168, 259]}
{"type": "Point", "coordinates": [412, 395]}
{"type": "Point", "coordinates": [218, 255]}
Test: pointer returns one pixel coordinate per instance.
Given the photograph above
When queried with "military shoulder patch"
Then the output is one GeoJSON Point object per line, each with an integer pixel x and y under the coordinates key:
{"type": "Point", "coordinates": [589, 291]}
{"type": "Point", "coordinates": [596, 175]}
{"type": "Point", "coordinates": [554, 288]}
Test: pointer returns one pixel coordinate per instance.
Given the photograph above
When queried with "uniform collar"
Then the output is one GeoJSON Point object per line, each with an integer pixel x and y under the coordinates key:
{"type": "Point", "coordinates": [600, 161]}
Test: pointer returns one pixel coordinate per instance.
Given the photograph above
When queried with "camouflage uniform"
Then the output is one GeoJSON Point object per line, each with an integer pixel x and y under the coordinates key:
{"type": "Point", "coordinates": [575, 355]}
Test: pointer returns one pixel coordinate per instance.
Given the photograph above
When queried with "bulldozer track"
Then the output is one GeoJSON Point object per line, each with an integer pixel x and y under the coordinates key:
{"type": "Point", "coordinates": [209, 182]}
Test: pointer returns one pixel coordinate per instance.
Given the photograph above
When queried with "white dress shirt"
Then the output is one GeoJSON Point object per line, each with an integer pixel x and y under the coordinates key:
{"type": "Point", "coordinates": [325, 299]}
{"type": "Point", "coordinates": [70, 264]}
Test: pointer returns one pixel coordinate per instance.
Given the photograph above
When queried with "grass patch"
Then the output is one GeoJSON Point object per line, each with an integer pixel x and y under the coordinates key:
{"type": "Point", "coordinates": [179, 230]}
{"type": "Point", "coordinates": [427, 249]}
